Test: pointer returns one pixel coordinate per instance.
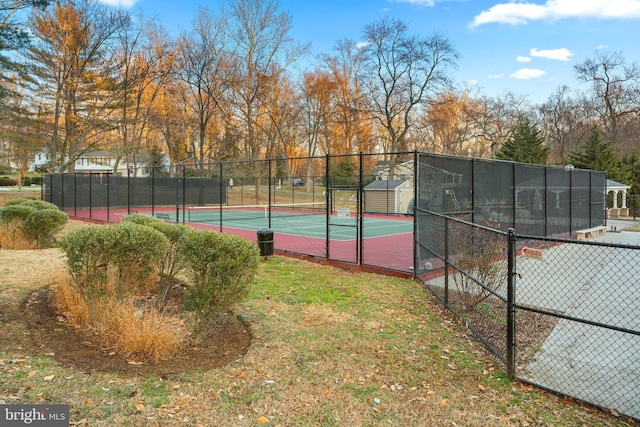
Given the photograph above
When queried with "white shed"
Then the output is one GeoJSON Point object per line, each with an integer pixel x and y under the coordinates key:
{"type": "Point", "coordinates": [388, 196]}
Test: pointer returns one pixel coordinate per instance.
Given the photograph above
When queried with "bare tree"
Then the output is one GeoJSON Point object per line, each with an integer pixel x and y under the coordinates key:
{"type": "Point", "coordinates": [564, 122]}
{"type": "Point", "coordinates": [615, 88]}
{"type": "Point", "coordinates": [400, 73]}
{"type": "Point", "coordinates": [447, 124]}
{"type": "Point", "coordinates": [495, 118]}
{"type": "Point", "coordinates": [284, 117]}
{"type": "Point", "coordinates": [200, 65]}
{"type": "Point", "coordinates": [349, 119]}
{"type": "Point", "coordinates": [139, 52]}
{"type": "Point", "coordinates": [262, 48]}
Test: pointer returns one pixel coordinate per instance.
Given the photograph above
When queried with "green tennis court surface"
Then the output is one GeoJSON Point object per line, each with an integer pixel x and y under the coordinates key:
{"type": "Point", "coordinates": [309, 221]}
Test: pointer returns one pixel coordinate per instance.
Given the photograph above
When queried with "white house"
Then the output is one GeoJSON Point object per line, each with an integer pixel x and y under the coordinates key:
{"type": "Point", "coordinates": [104, 161]}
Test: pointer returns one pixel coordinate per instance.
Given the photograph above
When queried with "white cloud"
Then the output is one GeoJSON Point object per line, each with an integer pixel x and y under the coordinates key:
{"type": "Point", "coordinates": [521, 13]}
{"type": "Point", "coordinates": [523, 59]}
{"type": "Point", "coordinates": [602, 46]}
{"type": "Point", "coordinates": [527, 73]}
{"type": "Point", "coordinates": [362, 45]}
{"type": "Point", "coordinates": [126, 4]}
{"type": "Point", "coordinates": [562, 54]}
{"type": "Point", "coordinates": [496, 76]}
{"type": "Point", "coordinates": [419, 2]}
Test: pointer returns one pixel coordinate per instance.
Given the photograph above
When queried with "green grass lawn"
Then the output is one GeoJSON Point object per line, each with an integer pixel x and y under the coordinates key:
{"type": "Point", "coordinates": [330, 348]}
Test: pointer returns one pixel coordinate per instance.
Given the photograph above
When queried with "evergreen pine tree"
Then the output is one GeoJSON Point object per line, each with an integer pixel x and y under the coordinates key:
{"type": "Point", "coordinates": [598, 155]}
{"type": "Point", "coordinates": [526, 145]}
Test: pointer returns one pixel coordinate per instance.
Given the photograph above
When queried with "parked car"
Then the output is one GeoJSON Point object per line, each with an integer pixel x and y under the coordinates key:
{"type": "Point", "coordinates": [297, 183]}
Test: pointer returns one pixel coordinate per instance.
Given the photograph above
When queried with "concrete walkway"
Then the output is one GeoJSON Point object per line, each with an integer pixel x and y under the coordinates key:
{"type": "Point", "coordinates": [598, 284]}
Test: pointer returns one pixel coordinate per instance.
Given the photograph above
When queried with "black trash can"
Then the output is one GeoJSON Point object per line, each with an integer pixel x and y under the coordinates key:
{"type": "Point", "coordinates": [265, 241]}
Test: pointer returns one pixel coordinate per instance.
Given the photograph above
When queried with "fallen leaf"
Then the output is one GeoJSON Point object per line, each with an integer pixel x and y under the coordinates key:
{"type": "Point", "coordinates": [49, 378]}
{"type": "Point", "coordinates": [263, 420]}
{"type": "Point", "coordinates": [32, 373]}
{"type": "Point", "coordinates": [139, 406]}
{"type": "Point", "coordinates": [481, 387]}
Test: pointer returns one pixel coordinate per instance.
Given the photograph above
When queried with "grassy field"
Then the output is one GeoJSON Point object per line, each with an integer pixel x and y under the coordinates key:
{"type": "Point", "coordinates": [330, 348]}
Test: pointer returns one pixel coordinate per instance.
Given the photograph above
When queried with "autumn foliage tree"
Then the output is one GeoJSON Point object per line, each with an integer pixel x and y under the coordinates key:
{"type": "Point", "coordinates": [73, 73]}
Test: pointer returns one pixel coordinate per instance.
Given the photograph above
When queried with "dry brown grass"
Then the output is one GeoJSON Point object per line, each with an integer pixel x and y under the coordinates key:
{"type": "Point", "coordinates": [12, 238]}
{"type": "Point", "coordinates": [141, 333]}
{"type": "Point", "coordinates": [14, 193]}
{"type": "Point", "coordinates": [69, 302]}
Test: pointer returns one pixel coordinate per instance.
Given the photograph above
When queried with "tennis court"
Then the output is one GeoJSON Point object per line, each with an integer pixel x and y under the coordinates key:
{"type": "Point", "coordinates": [303, 219]}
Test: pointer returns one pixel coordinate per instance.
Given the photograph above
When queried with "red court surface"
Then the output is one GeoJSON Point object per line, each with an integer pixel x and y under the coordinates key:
{"type": "Point", "coordinates": [394, 252]}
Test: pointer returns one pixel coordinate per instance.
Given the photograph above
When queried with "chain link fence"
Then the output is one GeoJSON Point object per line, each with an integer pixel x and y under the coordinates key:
{"type": "Point", "coordinates": [585, 340]}
{"type": "Point", "coordinates": [316, 206]}
{"type": "Point", "coordinates": [561, 314]}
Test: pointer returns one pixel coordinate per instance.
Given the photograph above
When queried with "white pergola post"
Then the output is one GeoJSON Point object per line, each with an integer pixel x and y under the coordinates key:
{"type": "Point", "coordinates": [615, 199]}
{"type": "Point", "coordinates": [624, 199]}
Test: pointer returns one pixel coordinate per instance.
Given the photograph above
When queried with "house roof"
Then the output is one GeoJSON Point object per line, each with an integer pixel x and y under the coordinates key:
{"type": "Point", "coordinates": [391, 184]}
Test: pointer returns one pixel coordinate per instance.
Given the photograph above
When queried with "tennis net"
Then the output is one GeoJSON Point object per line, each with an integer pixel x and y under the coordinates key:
{"type": "Point", "coordinates": [253, 212]}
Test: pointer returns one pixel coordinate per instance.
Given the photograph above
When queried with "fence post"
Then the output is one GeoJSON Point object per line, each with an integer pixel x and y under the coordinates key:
{"type": "Point", "coordinates": [153, 191]}
{"type": "Point", "coordinates": [511, 301]}
{"type": "Point", "coordinates": [128, 190]}
{"type": "Point", "coordinates": [415, 214]}
{"type": "Point", "coordinates": [178, 198]}
{"type": "Point", "coordinates": [359, 219]}
{"type": "Point", "coordinates": [269, 191]}
{"type": "Point", "coordinates": [108, 201]}
{"type": "Point", "coordinates": [221, 187]}
{"type": "Point", "coordinates": [91, 194]}
{"type": "Point", "coordinates": [446, 262]}
{"type": "Point", "coordinates": [327, 203]}
{"type": "Point", "coordinates": [184, 194]}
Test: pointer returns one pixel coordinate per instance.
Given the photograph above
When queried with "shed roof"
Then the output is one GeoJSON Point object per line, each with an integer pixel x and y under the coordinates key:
{"type": "Point", "coordinates": [390, 184]}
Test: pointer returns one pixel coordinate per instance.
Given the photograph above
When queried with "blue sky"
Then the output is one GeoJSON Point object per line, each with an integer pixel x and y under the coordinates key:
{"type": "Point", "coordinates": [527, 47]}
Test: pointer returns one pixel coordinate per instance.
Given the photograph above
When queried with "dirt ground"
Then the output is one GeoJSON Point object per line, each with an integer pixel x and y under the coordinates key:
{"type": "Point", "coordinates": [28, 322]}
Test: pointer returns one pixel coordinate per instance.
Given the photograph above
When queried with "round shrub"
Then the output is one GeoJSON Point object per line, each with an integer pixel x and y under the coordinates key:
{"type": "Point", "coordinates": [87, 251]}
{"type": "Point", "coordinates": [173, 232]}
{"type": "Point", "coordinates": [21, 201]}
{"type": "Point", "coordinates": [43, 224]}
{"type": "Point", "coordinates": [5, 181]}
{"type": "Point", "coordinates": [39, 204]}
{"type": "Point", "coordinates": [136, 251]}
{"type": "Point", "coordinates": [220, 268]}
{"type": "Point", "coordinates": [137, 218]}
{"type": "Point", "coordinates": [15, 212]}
{"type": "Point", "coordinates": [115, 259]}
